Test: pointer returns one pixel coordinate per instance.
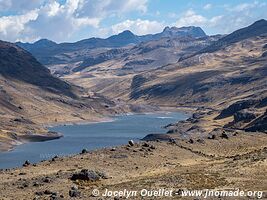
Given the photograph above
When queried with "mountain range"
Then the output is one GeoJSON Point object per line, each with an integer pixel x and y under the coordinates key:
{"type": "Point", "coordinates": [49, 52]}
{"type": "Point", "coordinates": [93, 77]}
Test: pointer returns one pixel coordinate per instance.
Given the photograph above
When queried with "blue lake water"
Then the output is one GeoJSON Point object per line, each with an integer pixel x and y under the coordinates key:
{"type": "Point", "coordinates": [90, 136]}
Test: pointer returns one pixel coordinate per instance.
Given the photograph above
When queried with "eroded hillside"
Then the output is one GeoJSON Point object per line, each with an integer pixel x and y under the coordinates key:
{"type": "Point", "coordinates": [31, 97]}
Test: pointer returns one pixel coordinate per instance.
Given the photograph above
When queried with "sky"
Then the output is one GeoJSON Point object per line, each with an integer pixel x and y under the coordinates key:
{"type": "Point", "coordinates": [73, 20]}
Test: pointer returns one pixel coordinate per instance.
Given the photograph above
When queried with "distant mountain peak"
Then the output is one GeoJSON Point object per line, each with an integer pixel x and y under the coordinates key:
{"type": "Point", "coordinates": [259, 23]}
{"type": "Point", "coordinates": [123, 38]}
{"type": "Point", "coordinates": [192, 31]}
{"type": "Point", "coordinates": [44, 41]}
{"type": "Point", "coordinates": [125, 34]}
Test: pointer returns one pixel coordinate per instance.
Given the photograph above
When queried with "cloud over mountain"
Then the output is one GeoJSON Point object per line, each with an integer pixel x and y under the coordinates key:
{"type": "Point", "coordinates": [58, 21]}
{"type": "Point", "coordinates": [72, 20]}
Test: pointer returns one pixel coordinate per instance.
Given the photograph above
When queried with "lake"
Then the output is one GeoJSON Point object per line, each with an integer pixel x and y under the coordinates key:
{"type": "Point", "coordinates": [90, 136]}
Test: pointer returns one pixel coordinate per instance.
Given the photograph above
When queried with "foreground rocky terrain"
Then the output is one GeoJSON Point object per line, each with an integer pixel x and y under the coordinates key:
{"type": "Point", "coordinates": [222, 159]}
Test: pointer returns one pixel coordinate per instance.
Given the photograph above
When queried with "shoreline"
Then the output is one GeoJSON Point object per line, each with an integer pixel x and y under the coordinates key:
{"type": "Point", "coordinates": [55, 135]}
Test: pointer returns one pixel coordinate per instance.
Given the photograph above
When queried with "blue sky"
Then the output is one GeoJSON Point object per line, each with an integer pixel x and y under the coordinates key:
{"type": "Point", "coordinates": [72, 20]}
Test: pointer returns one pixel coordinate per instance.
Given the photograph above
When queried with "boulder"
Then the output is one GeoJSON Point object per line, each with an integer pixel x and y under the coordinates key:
{"type": "Point", "coordinates": [191, 141]}
{"type": "Point", "coordinates": [26, 163]}
{"type": "Point", "coordinates": [131, 142]}
{"type": "Point", "coordinates": [211, 137]}
{"type": "Point", "coordinates": [224, 135]}
{"type": "Point", "coordinates": [84, 151]}
{"type": "Point", "coordinates": [88, 175]}
{"type": "Point", "coordinates": [74, 193]}
{"type": "Point", "coordinates": [145, 145]}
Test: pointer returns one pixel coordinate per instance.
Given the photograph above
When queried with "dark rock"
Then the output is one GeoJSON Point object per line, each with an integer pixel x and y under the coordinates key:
{"type": "Point", "coordinates": [224, 135]}
{"type": "Point", "coordinates": [264, 54]}
{"type": "Point", "coordinates": [145, 145]}
{"type": "Point", "coordinates": [88, 175]}
{"type": "Point", "coordinates": [47, 180]}
{"type": "Point", "coordinates": [260, 124]}
{"type": "Point", "coordinates": [172, 131]}
{"type": "Point", "coordinates": [48, 192]}
{"type": "Point", "coordinates": [159, 137]}
{"type": "Point", "coordinates": [179, 192]}
{"type": "Point", "coordinates": [74, 193]}
{"type": "Point", "coordinates": [23, 120]}
{"type": "Point", "coordinates": [131, 142]}
{"type": "Point", "coordinates": [244, 116]}
{"type": "Point", "coordinates": [36, 184]}
{"type": "Point", "coordinates": [237, 106]}
{"type": "Point", "coordinates": [75, 187]}
{"type": "Point", "coordinates": [54, 196]}
{"type": "Point", "coordinates": [172, 141]}
{"type": "Point", "coordinates": [262, 103]}
{"type": "Point", "coordinates": [211, 137]}
{"type": "Point", "coordinates": [54, 158]}
{"type": "Point", "coordinates": [25, 185]}
{"type": "Point", "coordinates": [84, 151]}
{"type": "Point", "coordinates": [26, 163]}
{"type": "Point", "coordinates": [191, 141]}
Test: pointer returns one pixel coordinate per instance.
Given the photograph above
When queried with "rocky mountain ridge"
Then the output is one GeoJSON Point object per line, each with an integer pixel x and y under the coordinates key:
{"type": "Point", "coordinates": [48, 52]}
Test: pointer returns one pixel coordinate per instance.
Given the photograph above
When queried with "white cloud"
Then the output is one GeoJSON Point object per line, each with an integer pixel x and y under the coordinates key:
{"type": "Point", "coordinates": [105, 8]}
{"type": "Point", "coordinates": [73, 19]}
{"type": "Point", "coordinates": [190, 18]}
{"type": "Point", "coordinates": [131, 5]}
{"type": "Point", "coordinates": [59, 21]}
{"type": "Point", "coordinates": [233, 18]}
{"type": "Point", "coordinates": [20, 6]}
{"type": "Point", "coordinates": [207, 6]}
{"type": "Point", "coordinates": [241, 15]}
{"type": "Point", "coordinates": [139, 27]}
{"type": "Point", "coordinates": [245, 6]}
{"type": "Point", "coordinates": [12, 26]}
{"type": "Point", "coordinates": [5, 4]}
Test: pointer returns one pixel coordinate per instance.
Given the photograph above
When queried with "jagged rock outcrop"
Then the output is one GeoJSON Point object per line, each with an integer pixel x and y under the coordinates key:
{"type": "Point", "coordinates": [260, 124]}
{"type": "Point", "coordinates": [244, 116]}
{"type": "Point", "coordinates": [235, 107]}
